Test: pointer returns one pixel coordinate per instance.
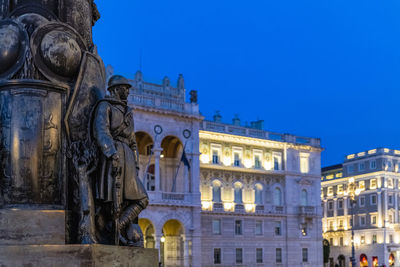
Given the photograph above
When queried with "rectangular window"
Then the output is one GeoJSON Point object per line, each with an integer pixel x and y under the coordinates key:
{"type": "Point", "coordinates": [257, 162]}
{"type": "Point", "coordinates": [390, 218]}
{"type": "Point", "coordinates": [238, 227]}
{"type": "Point", "coordinates": [259, 255]}
{"type": "Point", "coordinates": [259, 229]}
{"type": "Point", "coordinates": [278, 255]}
{"type": "Point", "coordinates": [350, 168]}
{"type": "Point", "coordinates": [305, 254]}
{"type": "Point", "coordinates": [331, 241]}
{"type": "Point", "coordinates": [239, 255]}
{"type": "Point", "coordinates": [304, 162]}
{"type": "Point", "coordinates": [217, 256]}
{"type": "Point", "coordinates": [236, 159]}
{"type": "Point", "coordinates": [372, 184]}
{"type": "Point", "coordinates": [216, 224]}
{"type": "Point", "coordinates": [362, 239]}
{"type": "Point", "coordinates": [373, 239]}
{"type": "Point", "coordinates": [331, 226]}
{"type": "Point", "coordinates": [277, 157]}
{"type": "Point", "coordinates": [390, 183]}
{"type": "Point", "coordinates": [341, 241]}
{"type": "Point", "coordinates": [373, 199]}
{"type": "Point", "coordinates": [361, 166]}
{"type": "Point", "coordinates": [330, 191]}
{"type": "Point", "coordinates": [215, 157]}
{"type": "Point", "coordinates": [278, 228]}
{"type": "Point", "coordinates": [390, 199]}
{"type": "Point", "coordinates": [362, 220]}
{"type": "Point", "coordinates": [362, 201]}
{"type": "Point", "coordinates": [390, 238]}
{"type": "Point", "coordinates": [340, 204]}
{"type": "Point", "coordinates": [341, 224]}
{"type": "Point", "coordinates": [372, 164]}
{"type": "Point", "coordinates": [340, 189]}
{"type": "Point", "coordinates": [361, 185]}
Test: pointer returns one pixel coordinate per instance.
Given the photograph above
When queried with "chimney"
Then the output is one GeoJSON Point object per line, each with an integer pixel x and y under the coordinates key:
{"type": "Point", "coordinates": [259, 125]}
{"type": "Point", "coordinates": [217, 116]}
{"type": "Point", "coordinates": [139, 76]}
{"type": "Point", "coordinates": [236, 120]}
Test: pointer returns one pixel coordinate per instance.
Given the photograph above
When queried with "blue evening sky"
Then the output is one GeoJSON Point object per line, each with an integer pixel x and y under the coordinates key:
{"type": "Point", "coordinates": [327, 69]}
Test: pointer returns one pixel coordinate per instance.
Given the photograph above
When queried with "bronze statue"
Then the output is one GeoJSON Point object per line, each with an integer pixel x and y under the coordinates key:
{"type": "Point", "coordinates": [119, 192]}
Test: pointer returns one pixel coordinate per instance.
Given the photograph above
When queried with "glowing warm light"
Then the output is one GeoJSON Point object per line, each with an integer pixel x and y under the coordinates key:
{"type": "Point", "coordinates": [162, 239]}
{"type": "Point", "coordinates": [228, 206]}
{"type": "Point", "coordinates": [351, 156]}
{"type": "Point", "coordinates": [206, 205]}
{"type": "Point", "coordinates": [227, 161]}
{"type": "Point", "coordinates": [247, 163]}
{"type": "Point", "coordinates": [361, 154]}
{"type": "Point", "coordinates": [249, 207]}
{"type": "Point", "coordinates": [268, 165]}
{"type": "Point", "coordinates": [386, 150]}
{"type": "Point", "coordinates": [372, 151]}
{"type": "Point", "coordinates": [204, 158]}
{"type": "Point", "coordinates": [358, 191]}
{"type": "Point", "coordinates": [397, 152]}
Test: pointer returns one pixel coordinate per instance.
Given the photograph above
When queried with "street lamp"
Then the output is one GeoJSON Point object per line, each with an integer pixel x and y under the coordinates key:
{"type": "Point", "coordinates": [352, 191]}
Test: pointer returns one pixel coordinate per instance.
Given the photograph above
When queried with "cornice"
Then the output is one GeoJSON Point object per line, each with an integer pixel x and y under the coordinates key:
{"type": "Point", "coordinates": [168, 112]}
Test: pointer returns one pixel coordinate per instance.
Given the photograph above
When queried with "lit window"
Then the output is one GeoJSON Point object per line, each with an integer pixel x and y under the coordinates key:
{"type": "Point", "coordinates": [372, 184]}
{"type": "Point", "coordinates": [239, 255]}
{"type": "Point", "coordinates": [278, 255]}
{"type": "Point", "coordinates": [389, 183]}
{"type": "Point", "coordinates": [259, 228]}
{"type": "Point", "coordinates": [339, 175]}
{"type": "Point", "coordinates": [330, 191]}
{"type": "Point", "coordinates": [373, 219]}
{"type": "Point", "coordinates": [217, 256]}
{"type": "Point", "coordinates": [304, 163]}
{"type": "Point", "coordinates": [238, 227]}
{"type": "Point", "coordinates": [372, 164]}
{"type": "Point", "coordinates": [373, 239]}
{"type": "Point", "coordinates": [361, 185]}
{"type": "Point", "coordinates": [305, 254]}
{"type": "Point", "coordinates": [341, 241]}
{"type": "Point", "coordinates": [362, 239]}
{"type": "Point", "coordinates": [277, 157]}
{"type": "Point", "coordinates": [340, 189]}
{"type": "Point", "coordinates": [216, 224]}
{"type": "Point", "coordinates": [340, 223]}
{"type": "Point", "coordinates": [259, 255]}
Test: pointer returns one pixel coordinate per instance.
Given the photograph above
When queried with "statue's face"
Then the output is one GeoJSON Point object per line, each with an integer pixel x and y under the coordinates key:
{"type": "Point", "coordinates": [122, 91]}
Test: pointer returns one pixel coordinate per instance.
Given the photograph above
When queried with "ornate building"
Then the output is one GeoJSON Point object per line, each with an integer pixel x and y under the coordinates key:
{"type": "Point", "coordinates": [376, 176]}
{"type": "Point", "coordinates": [250, 198]}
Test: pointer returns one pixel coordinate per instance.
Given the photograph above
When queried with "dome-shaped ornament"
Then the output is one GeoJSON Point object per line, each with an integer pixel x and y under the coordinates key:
{"type": "Point", "coordinates": [13, 48]}
{"type": "Point", "coordinates": [57, 51]}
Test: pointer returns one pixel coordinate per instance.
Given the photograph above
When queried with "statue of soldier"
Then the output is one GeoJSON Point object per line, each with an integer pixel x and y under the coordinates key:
{"type": "Point", "coordinates": [120, 195]}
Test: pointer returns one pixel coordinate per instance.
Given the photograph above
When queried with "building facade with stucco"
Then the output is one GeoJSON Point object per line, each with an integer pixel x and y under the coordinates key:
{"type": "Point", "coordinates": [240, 196]}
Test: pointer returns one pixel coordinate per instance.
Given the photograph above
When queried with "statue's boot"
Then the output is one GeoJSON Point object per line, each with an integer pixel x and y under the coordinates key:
{"type": "Point", "coordinates": [131, 212]}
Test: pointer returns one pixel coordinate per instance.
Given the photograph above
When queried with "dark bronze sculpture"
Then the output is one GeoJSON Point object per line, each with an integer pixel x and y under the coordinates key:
{"type": "Point", "coordinates": [55, 133]}
{"type": "Point", "coordinates": [119, 191]}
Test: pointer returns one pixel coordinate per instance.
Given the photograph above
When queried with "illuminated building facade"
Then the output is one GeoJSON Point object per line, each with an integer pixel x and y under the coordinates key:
{"type": "Point", "coordinates": [248, 197]}
{"type": "Point", "coordinates": [376, 174]}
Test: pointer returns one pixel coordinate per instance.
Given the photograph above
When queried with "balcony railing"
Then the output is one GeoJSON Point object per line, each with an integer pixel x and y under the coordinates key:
{"type": "Point", "coordinates": [170, 198]}
{"type": "Point", "coordinates": [218, 207]}
{"type": "Point", "coordinates": [307, 210]}
{"type": "Point", "coordinates": [239, 208]}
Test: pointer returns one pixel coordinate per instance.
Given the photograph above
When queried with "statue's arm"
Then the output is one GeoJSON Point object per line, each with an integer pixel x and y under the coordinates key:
{"type": "Point", "coordinates": [101, 129]}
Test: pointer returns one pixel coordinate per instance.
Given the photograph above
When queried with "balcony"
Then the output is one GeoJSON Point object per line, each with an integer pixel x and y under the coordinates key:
{"type": "Point", "coordinates": [277, 209]}
{"type": "Point", "coordinates": [307, 211]}
{"type": "Point", "coordinates": [170, 198]}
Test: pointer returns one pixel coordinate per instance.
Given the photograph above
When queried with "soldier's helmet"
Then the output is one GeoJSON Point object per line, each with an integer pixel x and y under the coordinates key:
{"type": "Point", "coordinates": [118, 80]}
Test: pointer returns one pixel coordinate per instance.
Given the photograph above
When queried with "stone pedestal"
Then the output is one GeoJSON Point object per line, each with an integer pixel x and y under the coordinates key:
{"type": "Point", "coordinates": [76, 255]}
{"type": "Point", "coordinates": [36, 237]}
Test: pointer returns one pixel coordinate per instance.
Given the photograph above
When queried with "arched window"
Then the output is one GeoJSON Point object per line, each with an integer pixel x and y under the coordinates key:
{"type": "Point", "coordinates": [238, 193]}
{"type": "Point", "coordinates": [304, 197]}
{"type": "Point", "coordinates": [277, 197]}
{"type": "Point", "coordinates": [258, 194]}
{"type": "Point", "coordinates": [216, 191]}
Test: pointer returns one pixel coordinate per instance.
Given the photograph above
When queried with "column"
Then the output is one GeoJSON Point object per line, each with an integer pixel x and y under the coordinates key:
{"type": "Point", "coordinates": [379, 203]}
{"type": "Point", "coordinates": [336, 226]}
{"type": "Point", "coordinates": [396, 208]}
{"type": "Point", "coordinates": [345, 212]}
{"type": "Point", "coordinates": [157, 246]}
{"type": "Point", "coordinates": [186, 178]}
{"type": "Point", "coordinates": [186, 250]}
{"type": "Point", "coordinates": [157, 153]}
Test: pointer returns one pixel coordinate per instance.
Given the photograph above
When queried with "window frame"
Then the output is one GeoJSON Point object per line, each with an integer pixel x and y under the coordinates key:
{"type": "Point", "coordinates": [239, 231]}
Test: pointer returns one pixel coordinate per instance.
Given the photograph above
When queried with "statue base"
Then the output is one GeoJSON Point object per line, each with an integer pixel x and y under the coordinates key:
{"type": "Point", "coordinates": [77, 255]}
{"type": "Point", "coordinates": [35, 236]}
